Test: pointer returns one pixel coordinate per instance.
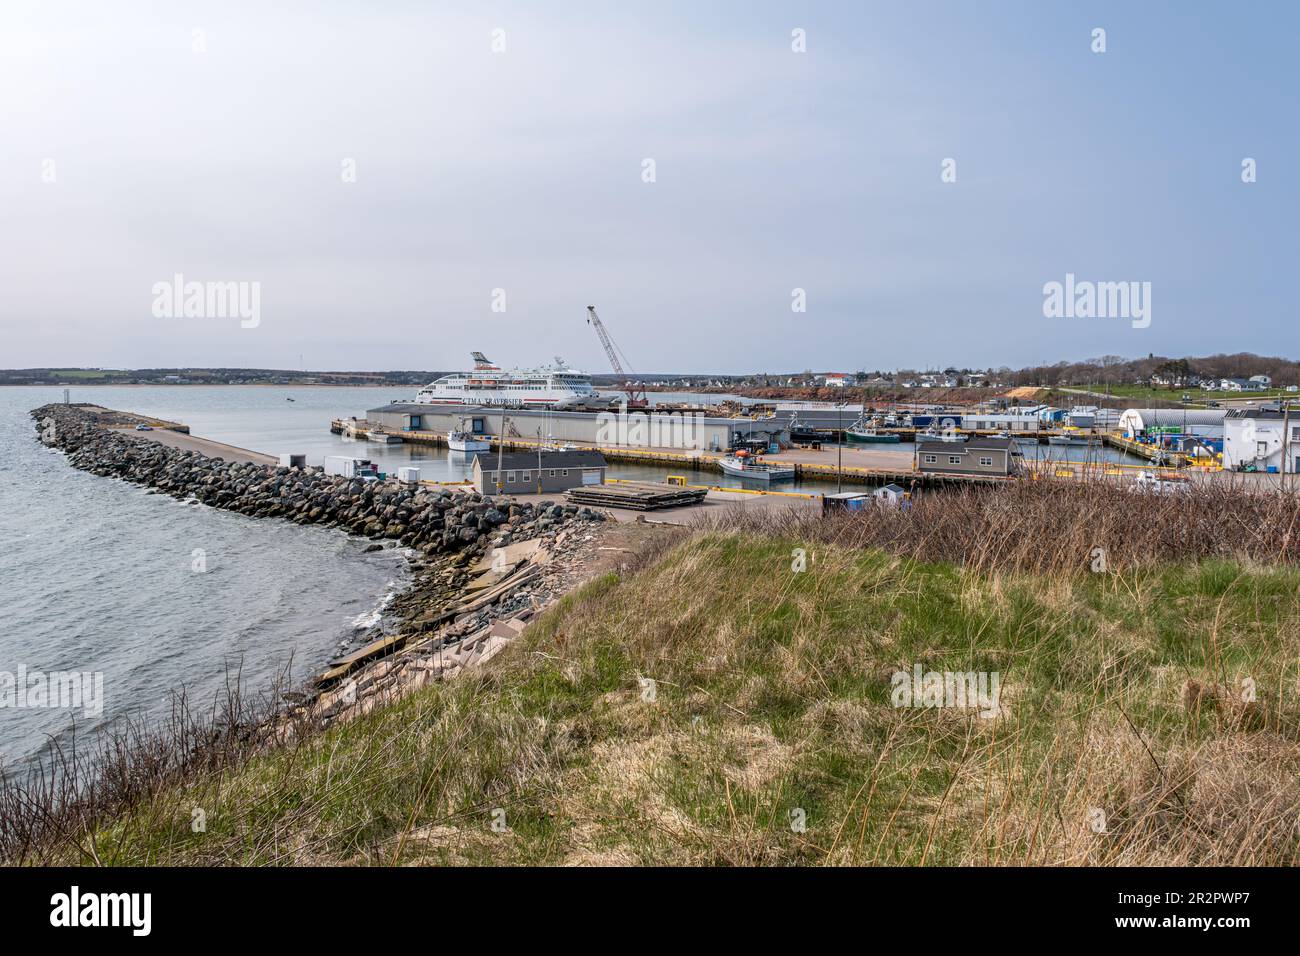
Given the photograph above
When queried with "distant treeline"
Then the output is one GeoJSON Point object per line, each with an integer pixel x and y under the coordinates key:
{"type": "Point", "coordinates": [1114, 370]}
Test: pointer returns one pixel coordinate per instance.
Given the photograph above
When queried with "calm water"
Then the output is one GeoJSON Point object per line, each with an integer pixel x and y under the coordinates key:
{"type": "Point", "coordinates": [97, 575]}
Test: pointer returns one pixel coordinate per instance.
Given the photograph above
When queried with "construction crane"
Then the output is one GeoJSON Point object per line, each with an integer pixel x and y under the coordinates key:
{"type": "Point", "coordinates": [635, 393]}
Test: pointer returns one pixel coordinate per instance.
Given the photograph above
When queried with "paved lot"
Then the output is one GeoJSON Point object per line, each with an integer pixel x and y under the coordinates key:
{"type": "Point", "coordinates": [204, 446]}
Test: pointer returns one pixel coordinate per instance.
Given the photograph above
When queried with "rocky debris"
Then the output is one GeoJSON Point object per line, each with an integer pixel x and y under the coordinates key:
{"type": "Point", "coordinates": [459, 634]}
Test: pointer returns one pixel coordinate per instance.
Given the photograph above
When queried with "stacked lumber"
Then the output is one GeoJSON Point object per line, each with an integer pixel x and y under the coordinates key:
{"type": "Point", "coordinates": [636, 495]}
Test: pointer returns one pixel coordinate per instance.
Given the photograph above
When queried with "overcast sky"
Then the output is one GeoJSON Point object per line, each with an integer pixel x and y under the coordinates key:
{"type": "Point", "coordinates": [133, 148]}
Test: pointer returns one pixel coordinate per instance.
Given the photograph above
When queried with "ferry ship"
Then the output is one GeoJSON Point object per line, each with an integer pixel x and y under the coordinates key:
{"type": "Point", "coordinates": [551, 386]}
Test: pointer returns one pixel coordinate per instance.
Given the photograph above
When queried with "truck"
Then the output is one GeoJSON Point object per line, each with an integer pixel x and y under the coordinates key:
{"type": "Point", "coordinates": [350, 467]}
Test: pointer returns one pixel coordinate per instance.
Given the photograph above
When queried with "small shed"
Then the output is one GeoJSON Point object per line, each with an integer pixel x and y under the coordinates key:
{"type": "Point", "coordinates": [527, 472]}
{"type": "Point", "coordinates": [845, 501]}
{"type": "Point", "coordinates": [891, 494]}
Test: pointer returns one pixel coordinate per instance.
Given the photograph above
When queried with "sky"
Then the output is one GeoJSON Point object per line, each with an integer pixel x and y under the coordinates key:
{"type": "Point", "coordinates": [737, 187]}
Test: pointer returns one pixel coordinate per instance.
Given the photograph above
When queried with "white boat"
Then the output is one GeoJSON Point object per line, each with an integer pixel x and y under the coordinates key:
{"type": "Point", "coordinates": [742, 465]}
{"type": "Point", "coordinates": [552, 386]}
{"type": "Point", "coordinates": [383, 438]}
{"type": "Point", "coordinates": [1071, 440]}
{"type": "Point", "coordinates": [459, 440]}
{"type": "Point", "coordinates": [933, 434]}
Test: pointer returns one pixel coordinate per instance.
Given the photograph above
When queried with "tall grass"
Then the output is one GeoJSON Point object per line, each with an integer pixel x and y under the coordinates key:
{"type": "Point", "coordinates": [1123, 694]}
{"type": "Point", "coordinates": [1051, 526]}
{"type": "Point", "coordinates": [54, 804]}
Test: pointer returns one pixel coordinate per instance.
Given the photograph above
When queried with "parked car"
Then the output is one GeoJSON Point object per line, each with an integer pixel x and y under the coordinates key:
{"type": "Point", "coordinates": [144, 428]}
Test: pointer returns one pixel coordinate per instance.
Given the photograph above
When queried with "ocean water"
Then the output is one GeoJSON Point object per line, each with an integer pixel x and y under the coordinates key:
{"type": "Point", "coordinates": [98, 576]}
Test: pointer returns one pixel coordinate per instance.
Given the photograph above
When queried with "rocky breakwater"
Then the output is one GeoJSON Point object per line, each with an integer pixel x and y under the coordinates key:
{"type": "Point", "coordinates": [430, 520]}
{"type": "Point", "coordinates": [456, 536]}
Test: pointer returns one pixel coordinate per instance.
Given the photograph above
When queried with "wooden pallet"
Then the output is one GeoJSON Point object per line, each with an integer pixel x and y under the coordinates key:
{"type": "Point", "coordinates": [635, 495]}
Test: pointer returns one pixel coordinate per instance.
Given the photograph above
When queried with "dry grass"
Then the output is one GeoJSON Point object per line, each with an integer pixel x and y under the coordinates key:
{"type": "Point", "coordinates": [770, 707]}
{"type": "Point", "coordinates": [1051, 526]}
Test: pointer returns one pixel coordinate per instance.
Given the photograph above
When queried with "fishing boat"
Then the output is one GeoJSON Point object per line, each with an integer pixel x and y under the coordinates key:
{"type": "Point", "coordinates": [933, 434]}
{"type": "Point", "coordinates": [860, 433]}
{"type": "Point", "coordinates": [1071, 439]}
{"type": "Point", "coordinates": [382, 438]}
{"type": "Point", "coordinates": [460, 440]}
{"type": "Point", "coordinates": [744, 465]}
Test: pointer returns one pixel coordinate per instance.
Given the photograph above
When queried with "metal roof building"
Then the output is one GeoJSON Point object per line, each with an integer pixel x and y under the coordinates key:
{"type": "Point", "coordinates": [1199, 421]}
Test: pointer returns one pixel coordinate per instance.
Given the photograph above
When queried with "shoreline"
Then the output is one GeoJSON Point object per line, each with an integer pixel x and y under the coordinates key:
{"type": "Point", "coordinates": [478, 568]}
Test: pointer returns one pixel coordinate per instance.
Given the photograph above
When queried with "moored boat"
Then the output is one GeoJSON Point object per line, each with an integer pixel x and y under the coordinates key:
{"type": "Point", "coordinates": [860, 433]}
{"type": "Point", "coordinates": [934, 434]}
{"type": "Point", "coordinates": [743, 465]}
{"type": "Point", "coordinates": [460, 440]}
{"type": "Point", "coordinates": [552, 386]}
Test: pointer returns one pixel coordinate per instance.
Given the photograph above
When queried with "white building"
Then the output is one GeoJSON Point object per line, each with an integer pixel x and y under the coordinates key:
{"type": "Point", "coordinates": [1001, 423]}
{"type": "Point", "coordinates": [890, 495]}
{"type": "Point", "coordinates": [1263, 381]}
{"type": "Point", "coordinates": [836, 380]}
{"type": "Point", "coordinates": [1254, 438]}
{"type": "Point", "coordinates": [1195, 421]}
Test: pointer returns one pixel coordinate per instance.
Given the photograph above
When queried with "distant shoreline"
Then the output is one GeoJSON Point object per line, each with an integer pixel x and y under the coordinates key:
{"type": "Point", "coordinates": [192, 385]}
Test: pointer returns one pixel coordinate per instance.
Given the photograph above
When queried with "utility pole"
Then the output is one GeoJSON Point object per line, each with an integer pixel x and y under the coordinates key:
{"type": "Point", "coordinates": [1286, 439]}
{"type": "Point", "coordinates": [501, 447]}
{"type": "Point", "coordinates": [839, 449]}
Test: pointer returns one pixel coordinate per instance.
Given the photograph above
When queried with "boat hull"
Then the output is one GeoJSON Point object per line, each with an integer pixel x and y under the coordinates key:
{"type": "Point", "coordinates": [463, 444]}
{"type": "Point", "coordinates": [1064, 440]}
{"type": "Point", "coordinates": [857, 438]}
{"type": "Point", "coordinates": [756, 474]}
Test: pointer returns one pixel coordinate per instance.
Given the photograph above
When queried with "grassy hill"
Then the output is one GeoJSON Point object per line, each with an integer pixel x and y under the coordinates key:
{"type": "Point", "coordinates": [715, 706]}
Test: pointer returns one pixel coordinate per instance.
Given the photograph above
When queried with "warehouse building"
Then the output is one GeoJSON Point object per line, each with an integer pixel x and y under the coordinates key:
{"type": "Point", "coordinates": [1002, 423]}
{"type": "Point", "coordinates": [526, 472]}
{"type": "Point", "coordinates": [1254, 440]}
{"type": "Point", "coordinates": [1206, 422]}
{"type": "Point", "coordinates": [633, 429]}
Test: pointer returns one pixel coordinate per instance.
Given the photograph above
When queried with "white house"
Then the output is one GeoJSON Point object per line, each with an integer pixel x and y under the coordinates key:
{"type": "Point", "coordinates": [1263, 381]}
{"type": "Point", "coordinates": [836, 380]}
{"type": "Point", "coordinates": [1253, 438]}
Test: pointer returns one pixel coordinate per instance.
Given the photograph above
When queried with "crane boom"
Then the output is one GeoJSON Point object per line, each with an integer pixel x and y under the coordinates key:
{"type": "Point", "coordinates": [594, 320]}
{"type": "Point", "coordinates": [635, 395]}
